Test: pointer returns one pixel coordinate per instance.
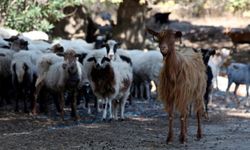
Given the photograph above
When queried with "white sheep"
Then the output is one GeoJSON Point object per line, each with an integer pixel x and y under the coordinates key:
{"type": "Point", "coordinates": [60, 76]}
{"type": "Point", "coordinates": [23, 68]}
{"type": "Point", "coordinates": [6, 56]}
{"type": "Point", "coordinates": [34, 35]}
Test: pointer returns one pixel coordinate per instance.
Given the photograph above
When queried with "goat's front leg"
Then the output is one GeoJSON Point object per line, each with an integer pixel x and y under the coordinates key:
{"type": "Point", "coordinates": [170, 124]}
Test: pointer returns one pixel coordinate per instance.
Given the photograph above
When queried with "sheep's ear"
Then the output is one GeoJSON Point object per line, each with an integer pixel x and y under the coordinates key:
{"type": "Point", "coordinates": [150, 31]}
{"type": "Point", "coordinates": [126, 59]}
{"type": "Point", "coordinates": [212, 52]}
{"type": "Point", "coordinates": [25, 67]}
{"type": "Point", "coordinates": [91, 59]}
{"type": "Point", "coordinates": [195, 50]}
{"type": "Point", "coordinates": [2, 55]}
{"type": "Point", "coordinates": [178, 35]}
{"type": "Point", "coordinates": [60, 54]}
{"type": "Point", "coordinates": [82, 57]}
{"type": "Point", "coordinates": [105, 59]}
{"type": "Point", "coordinates": [64, 66]}
{"type": "Point", "coordinates": [119, 44]}
{"type": "Point", "coordinates": [12, 38]}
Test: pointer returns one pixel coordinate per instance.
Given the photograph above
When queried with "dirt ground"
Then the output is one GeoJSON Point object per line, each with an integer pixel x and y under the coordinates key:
{"type": "Point", "coordinates": [144, 128]}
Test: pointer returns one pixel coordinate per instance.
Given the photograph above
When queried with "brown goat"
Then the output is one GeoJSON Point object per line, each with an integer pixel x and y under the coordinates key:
{"type": "Point", "coordinates": [182, 81]}
{"type": "Point", "coordinates": [238, 36]}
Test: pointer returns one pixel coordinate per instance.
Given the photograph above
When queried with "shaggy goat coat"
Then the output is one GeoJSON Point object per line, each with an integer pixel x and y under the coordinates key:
{"type": "Point", "coordinates": [183, 80]}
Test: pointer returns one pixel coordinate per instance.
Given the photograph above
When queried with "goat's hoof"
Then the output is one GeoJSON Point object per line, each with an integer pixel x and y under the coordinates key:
{"type": "Point", "coordinates": [183, 140]}
{"type": "Point", "coordinates": [198, 136]}
{"type": "Point", "coordinates": [206, 116]}
{"type": "Point", "coordinates": [169, 140]}
{"type": "Point", "coordinates": [76, 118]}
{"type": "Point", "coordinates": [122, 119]}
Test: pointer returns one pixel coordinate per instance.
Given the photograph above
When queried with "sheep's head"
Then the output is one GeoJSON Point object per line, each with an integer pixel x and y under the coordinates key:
{"type": "Point", "coordinates": [19, 44]}
{"type": "Point", "coordinates": [206, 53]}
{"type": "Point", "coordinates": [19, 70]}
{"type": "Point", "coordinates": [111, 48]}
{"type": "Point", "coordinates": [166, 40]}
{"type": "Point", "coordinates": [57, 48]}
{"type": "Point", "coordinates": [99, 63]}
{"type": "Point", "coordinates": [70, 60]}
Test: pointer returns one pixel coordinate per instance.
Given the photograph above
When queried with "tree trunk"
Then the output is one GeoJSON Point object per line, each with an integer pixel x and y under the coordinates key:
{"type": "Point", "coordinates": [130, 26]}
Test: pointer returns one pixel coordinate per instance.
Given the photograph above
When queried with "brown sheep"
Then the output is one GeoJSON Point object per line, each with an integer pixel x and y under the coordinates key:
{"type": "Point", "coordinates": [182, 81]}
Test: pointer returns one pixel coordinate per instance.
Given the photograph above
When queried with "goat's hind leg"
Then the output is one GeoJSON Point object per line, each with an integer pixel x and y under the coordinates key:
{"type": "Point", "coordinates": [199, 131]}
{"type": "Point", "coordinates": [183, 132]}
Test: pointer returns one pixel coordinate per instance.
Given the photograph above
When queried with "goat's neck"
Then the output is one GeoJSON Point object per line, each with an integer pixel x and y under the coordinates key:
{"type": "Point", "coordinates": [171, 65]}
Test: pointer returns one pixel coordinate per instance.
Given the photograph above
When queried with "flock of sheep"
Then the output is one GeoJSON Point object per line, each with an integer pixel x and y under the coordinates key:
{"type": "Point", "coordinates": [32, 69]}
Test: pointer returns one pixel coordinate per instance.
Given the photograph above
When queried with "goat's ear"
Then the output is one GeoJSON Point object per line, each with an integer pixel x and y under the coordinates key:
{"type": "Point", "coordinates": [105, 59]}
{"type": "Point", "coordinates": [91, 59]}
{"type": "Point", "coordinates": [150, 31]}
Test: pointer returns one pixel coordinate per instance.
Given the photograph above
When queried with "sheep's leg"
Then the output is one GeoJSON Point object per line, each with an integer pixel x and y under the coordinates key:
{"type": "Point", "coordinates": [61, 104]}
{"type": "Point", "coordinates": [24, 97]}
{"type": "Point", "coordinates": [122, 107]}
{"type": "Point", "coordinates": [142, 90]}
{"type": "Point", "coordinates": [110, 109]}
{"type": "Point", "coordinates": [170, 124]}
{"type": "Point", "coordinates": [73, 106]}
{"type": "Point", "coordinates": [147, 86]}
{"type": "Point", "coordinates": [247, 91]}
{"type": "Point", "coordinates": [96, 105]}
{"type": "Point", "coordinates": [115, 109]}
{"type": "Point", "coordinates": [206, 99]}
{"type": "Point", "coordinates": [36, 94]}
{"type": "Point", "coordinates": [235, 94]}
{"type": "Point", "coordinates": [104, 114]}
{"type": "Point", "coordinates": [216, 82]}
{"type": "Point", "coordinates": [183, 132]}
{"type": "Point", "coordinates": [227, 90]}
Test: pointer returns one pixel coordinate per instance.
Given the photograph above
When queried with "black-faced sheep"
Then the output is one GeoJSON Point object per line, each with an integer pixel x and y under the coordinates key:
{"type": "Point", "coordinates": [110, 81]}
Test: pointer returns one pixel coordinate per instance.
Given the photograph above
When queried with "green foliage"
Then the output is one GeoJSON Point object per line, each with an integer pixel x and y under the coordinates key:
{"type": "Point", "coordinates": [27, 15]}
{"type": "Point", "coordinates": [239, 5]}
